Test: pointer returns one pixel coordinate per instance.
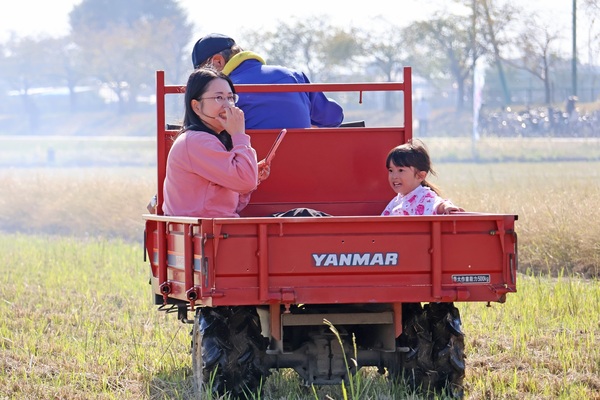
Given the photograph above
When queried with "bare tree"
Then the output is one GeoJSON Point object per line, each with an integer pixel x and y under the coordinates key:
{"type": "Point", "coordinates": [123, 43]}
{"type": "Point", "coordinates": [21, 71]}
{"type": "Point", "coordinates": [387, 53]}
{"type": "Point", "coordinates": [298, 45]}
{"type": "Point", "coordinates": [592, 6]}
{"type": "Point", "coordinates": [537, 53]}
{"type": "Point", "coordinates": [496, 20]}
{"type": "Point", "coordinates": [340, 51]}
{"type": "Point", "coordinates": [592, 9]}
{"type": "Point", "coordinates": [444, 49]}
{"type": "Point", "coordinates": [63, 67]}
{"type": "Point", "coordinates": [314, 47]}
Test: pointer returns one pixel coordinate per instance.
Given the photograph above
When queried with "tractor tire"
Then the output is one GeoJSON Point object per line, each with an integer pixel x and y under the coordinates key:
{"type": "Point", "coordinates": [435, 360]}
{"type": "Point", "coordinates": [227, 350]}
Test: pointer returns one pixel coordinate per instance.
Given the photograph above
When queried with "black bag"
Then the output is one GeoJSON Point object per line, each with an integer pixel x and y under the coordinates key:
{"type": "Point", "coordinates": [300, 212]}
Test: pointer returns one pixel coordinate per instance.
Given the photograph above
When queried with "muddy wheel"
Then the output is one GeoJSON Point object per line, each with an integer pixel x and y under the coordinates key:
{"type": "Point", "coordinates": [448, 347]}
{"type": "Point", "coordinates": [227, 349]}
{"type": "Point", "coordinates": [435, 360]}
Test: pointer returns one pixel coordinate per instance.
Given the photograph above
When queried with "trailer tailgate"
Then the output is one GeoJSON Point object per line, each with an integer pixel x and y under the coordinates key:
{"type": "Point", "coordinates": [371, 259]}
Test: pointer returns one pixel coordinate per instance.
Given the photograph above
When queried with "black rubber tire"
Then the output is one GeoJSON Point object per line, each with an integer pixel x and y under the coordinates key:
{"type": "Point", "coordinates": [435, 360]}
{"type": "Point", "coordinates": [448, 347]}
{"type": "Point", "coordinates": [227, 350]}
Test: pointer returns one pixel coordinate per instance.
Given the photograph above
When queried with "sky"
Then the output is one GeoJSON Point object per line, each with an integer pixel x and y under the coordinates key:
{"type": "Point", "coordinates": [50, 17]}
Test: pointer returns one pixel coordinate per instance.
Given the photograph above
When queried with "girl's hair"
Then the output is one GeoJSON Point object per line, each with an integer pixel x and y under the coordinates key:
{"type": "Point", "coordinates": [412, 154]}
{"type": "Point", "coordinates": [195, 88]}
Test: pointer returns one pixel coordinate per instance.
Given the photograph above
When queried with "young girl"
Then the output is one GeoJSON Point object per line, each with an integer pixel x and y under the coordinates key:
{"type": "Point", "coordinates": [408, 166]}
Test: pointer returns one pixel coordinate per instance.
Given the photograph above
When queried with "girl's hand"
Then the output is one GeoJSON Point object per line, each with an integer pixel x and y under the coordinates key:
{"type": "Point", "coordinates": [448, 208]}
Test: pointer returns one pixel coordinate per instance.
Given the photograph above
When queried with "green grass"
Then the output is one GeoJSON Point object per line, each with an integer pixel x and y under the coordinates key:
{"type": "Point", "coordinates": [76, 322]}
{"type": "Point", "coordinates": [543, 343]}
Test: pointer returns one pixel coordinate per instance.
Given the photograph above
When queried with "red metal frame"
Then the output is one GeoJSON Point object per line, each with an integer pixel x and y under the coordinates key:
{"type": "Point", "coordinates": [307, 146]}
{"type": "Point", "coordinates": [257, 260]}
{"type": "Point", "coordinates": [265, 260]}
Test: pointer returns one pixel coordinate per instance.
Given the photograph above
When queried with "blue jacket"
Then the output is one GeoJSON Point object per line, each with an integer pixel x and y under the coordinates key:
{"type": "Point", "coordinates": [279, 110]}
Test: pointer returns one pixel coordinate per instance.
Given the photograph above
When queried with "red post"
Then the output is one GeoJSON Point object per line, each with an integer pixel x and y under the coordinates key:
{"type": "Point", "coordinates": [408, 123]}
{"type": "Point", "coordinates": [263, 265]}
{"type": "Point", "coordinates": [161, 149]}
{"type": "Point", "coordinates": [436, 259]}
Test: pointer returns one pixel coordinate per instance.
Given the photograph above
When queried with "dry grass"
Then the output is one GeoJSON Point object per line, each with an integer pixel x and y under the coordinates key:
{"type": "Point", "coordinates": [517, 149]}
{"type": "Point", "coordinates": [554, 202]}
{"type": "Point", "coordinates": [83, 202]}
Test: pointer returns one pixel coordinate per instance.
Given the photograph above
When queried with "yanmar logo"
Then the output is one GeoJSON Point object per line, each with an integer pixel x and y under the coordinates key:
{"type": "Point", "coordinates": [355, 259]}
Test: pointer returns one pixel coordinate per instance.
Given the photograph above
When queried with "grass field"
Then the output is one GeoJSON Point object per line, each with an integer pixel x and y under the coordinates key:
{"type": "Point", "coordinates": [76, 319]}
{"type": "Point", "coordinates": [76, 322]}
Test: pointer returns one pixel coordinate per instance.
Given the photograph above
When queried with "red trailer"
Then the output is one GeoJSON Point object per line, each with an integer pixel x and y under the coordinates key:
{"type": "Point", "coordinates": [261, 287]}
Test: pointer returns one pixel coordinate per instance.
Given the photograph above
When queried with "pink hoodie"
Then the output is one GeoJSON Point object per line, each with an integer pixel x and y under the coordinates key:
{"type": "Point", "coordinates": [203, 179]}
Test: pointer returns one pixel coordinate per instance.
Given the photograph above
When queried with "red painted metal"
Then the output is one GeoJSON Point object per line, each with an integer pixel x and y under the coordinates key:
{"type": "Point", "coordinates": [256, 259]}
{"type": "Point", "coordinates": [272, 260]}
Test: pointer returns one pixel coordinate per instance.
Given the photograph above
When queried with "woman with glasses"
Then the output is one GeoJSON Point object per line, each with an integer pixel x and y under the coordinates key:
{"type": "Point", "coordinates": [212, 168]}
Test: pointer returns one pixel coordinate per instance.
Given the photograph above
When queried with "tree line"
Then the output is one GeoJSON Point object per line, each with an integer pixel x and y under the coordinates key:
{"type": "Point", "coordinates": [120, 44]}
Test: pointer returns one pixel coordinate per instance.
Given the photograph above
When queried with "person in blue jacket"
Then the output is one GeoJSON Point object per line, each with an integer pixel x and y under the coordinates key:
{"type": "Point", "coordinates": [266, 110]}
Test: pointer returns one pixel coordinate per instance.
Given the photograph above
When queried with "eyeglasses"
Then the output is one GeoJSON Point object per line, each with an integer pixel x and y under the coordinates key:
{"type": "Point", "coordinates": [233, 99]}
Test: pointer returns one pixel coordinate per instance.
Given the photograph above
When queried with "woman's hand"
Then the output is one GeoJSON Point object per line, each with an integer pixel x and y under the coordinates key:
{"type": "Point", "coordinates": [264, 170]}
{"type": "Point", "coordinates": [233, 120]}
